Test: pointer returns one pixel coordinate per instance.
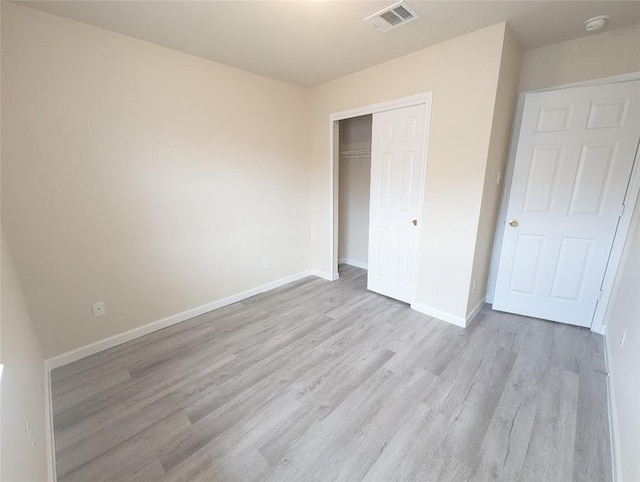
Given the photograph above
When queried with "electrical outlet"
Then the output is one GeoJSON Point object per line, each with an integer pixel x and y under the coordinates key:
{"type": "Point", "coordinates": [265, 262]}
{"type": "Point", "coordinates": [99, 309]}
{"type": "Point", "coordinates": [473, 286]}
{"type": "Point", "coordinates": [624, 337]}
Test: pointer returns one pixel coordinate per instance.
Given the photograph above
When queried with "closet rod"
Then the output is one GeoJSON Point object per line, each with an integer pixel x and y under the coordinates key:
{"type": "Point", "coordinates": [357, 154]}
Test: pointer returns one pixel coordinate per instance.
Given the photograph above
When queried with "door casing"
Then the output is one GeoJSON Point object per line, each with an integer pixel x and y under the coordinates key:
{"type": "Point", "coordinates": [418, 99]}
{"type": "Point", "coordinates": [631, 196]}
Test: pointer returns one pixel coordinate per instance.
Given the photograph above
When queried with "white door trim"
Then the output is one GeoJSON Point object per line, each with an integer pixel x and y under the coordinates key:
{"type": "Point", "coordinates": [587, 83]}
{"type": "Point", "coordinates": [633, 189]}
{"type": "Point", "coordinates": [417, 99]}
{"type": "Point", "coordinates": [597, 324]}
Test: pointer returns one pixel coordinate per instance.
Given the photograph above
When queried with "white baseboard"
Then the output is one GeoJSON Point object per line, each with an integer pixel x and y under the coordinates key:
{"type": "Point", "coordinates": [448, 317]}
{"type": "Point", "coordinates": [323, 275]}
{"type": "Point", "coordinates": [78, 353]}
{"type": "Point", "coordinates": [48, 429]}
{"type": "Point", "coordinates": [353, 262]}
{"type": "Point", "coordinates": [440, 315]}
{"type": "Point", "coordinates": [616, 463]}
{"type": "Point", "coordinates": [600, 330]}
{"type": "Point", "coordinates": [476, 309]}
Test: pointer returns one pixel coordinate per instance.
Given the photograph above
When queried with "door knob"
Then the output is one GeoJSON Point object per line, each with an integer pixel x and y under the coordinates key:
{"type": "Point", "coordinates": [514, 223]}
{"type": "Point", "coordinates": [415, 222]}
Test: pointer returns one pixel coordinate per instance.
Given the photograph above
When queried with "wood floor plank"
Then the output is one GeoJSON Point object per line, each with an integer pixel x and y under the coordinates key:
{"type": "Point", "coordinates": [224, 412]}
{"type": "Point", "coordinates": [471, 416]}
{"type": "Point", "coordinates": [265, 361]}
{"type": "Point", "coordinates": [592, 452]}
{"type": "Point", "coordinates": [319, 396]}
{"type": "Point", "coordinates": [551, 446]}
{"type": "Point", "coordinates": [197, 464]}
{"type": "Point", "coordinates": [357, 449]}
{"type": "Point", "coordinates": [69, 397]}
{"type": "Point", "coordinates": [322, 380]}
{"type": "Point", "coordinates": [144, 469]}
{"type": "Point", "coordinates": [415, 453]}
{"type": "Point", "coordinates": [504, 446]}
{"type": "Point", "coordinates": [123, 410]}
{"type": "Point", "coordinates": [126, 456]}
{"type": "Point", "coordinates": [308, 458]}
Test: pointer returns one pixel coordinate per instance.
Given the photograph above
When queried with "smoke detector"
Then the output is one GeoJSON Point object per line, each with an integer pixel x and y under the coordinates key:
{"type": "Point", "coordinates": [596, 23]}
{"type": "Point", "coordinates": [391, 17]}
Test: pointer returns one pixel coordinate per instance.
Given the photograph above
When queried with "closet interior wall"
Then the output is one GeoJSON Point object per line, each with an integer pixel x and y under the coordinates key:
{"type": "Point", "coordinates": [354, 184]}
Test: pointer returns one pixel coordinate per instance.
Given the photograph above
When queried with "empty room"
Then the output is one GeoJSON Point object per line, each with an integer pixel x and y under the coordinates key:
{"type": "Point", "coordinates": [320, 240]}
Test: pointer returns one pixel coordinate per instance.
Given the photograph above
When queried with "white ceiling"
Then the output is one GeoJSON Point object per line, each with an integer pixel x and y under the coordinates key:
{"type": "Point", "coordinates": [310, 42]}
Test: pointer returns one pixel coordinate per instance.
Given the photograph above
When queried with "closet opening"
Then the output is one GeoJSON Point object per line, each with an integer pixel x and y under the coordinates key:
{"type": "Point", "coordinates": [377, 166]}
{"type": "Point", "coordinates": [354, 180]}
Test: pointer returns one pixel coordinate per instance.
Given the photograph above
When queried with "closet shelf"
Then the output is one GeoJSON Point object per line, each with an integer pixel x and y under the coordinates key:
{"type": "Point", "coordinates": [358, 154]}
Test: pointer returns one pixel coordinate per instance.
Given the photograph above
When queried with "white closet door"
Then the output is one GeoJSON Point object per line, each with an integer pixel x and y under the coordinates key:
{"type": "Point", "coordinates": [397, 165]}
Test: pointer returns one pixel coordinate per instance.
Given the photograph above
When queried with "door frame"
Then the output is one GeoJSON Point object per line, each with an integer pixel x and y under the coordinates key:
{"type": "Point", "coordinates": [423, 98]}
{"type": "Point", "coordinates": [633, 189]}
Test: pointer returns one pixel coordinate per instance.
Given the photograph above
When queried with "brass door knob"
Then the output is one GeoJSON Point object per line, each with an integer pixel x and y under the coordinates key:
{"type": "Point", "coordinates": [415, 222]}
{"type": "Point", "coordinates": [514, 223]}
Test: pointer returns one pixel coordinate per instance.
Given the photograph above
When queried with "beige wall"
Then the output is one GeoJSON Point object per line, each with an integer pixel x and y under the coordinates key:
{"type": "Point", "coordinates": [462, 74]}
{"type": "Point", "coordinates": [624, 362]}
{"type": "Point", "coordinates": [498, 153]}
{"type": "Point", "coordinates": [596, 56]}
{"type": "Point", "coordinates": [23, 394]}
{"type": "Point", "coordinates": [137, 175]}
{"type": "Point", "coordinates": [354, 182]}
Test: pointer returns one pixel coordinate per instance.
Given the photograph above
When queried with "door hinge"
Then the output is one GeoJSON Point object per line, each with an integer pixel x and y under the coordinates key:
{"type": "Point", "coordinates": [599, 296]}
{"type": "Point", "coordinates": [621, 211]}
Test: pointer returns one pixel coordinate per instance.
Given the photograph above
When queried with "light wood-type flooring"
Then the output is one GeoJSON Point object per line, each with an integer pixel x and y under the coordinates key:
{"type": "Point", "coordinates": [321, 381]}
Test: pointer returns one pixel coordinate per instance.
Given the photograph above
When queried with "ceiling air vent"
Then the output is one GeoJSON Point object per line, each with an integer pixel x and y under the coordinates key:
{"type": "Point", "coordinates": [391, 17]}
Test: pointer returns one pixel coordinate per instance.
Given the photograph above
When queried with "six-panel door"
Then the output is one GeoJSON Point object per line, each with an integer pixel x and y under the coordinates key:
{"type": "Point", "coordinates": [397, 165]}
{"type": "Point", "coordinates": [574, 157]}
